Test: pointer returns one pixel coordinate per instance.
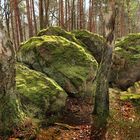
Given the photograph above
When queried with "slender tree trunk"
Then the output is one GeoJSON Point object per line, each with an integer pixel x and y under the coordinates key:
{"type": "Point", "coordinates": [73, 21]}
{"type": "Point", "coordinates": [29, 17]}
{"type": "Point", "coordinates": [7, 16]}
{"type": "Point", "coordinates": [91, 20]}
{"type": "Point", "coordinates": [12, 26]}
{"type": "Point", "coordinates": [66, 14]}
{"type": "Point", "coordinates": [101, 108]}
{"type": "Point", "coordinates": [61, 13]}
{"type": "Point", "coordinates": [17, 16]}
{"type": "Point", "coordinates": [46, 3]}
{"type": "Point", "coordinates": [41, 14]}
{"type": "Point", "coordinates": [34, 17]}
{"type": "Point", "coordinates": [10, 114]}
{"type": "Point", "coordinates": [81, 14]}
{"type": "Point", "coordinates": [101, 94]}
{"type": "Point", "coordinates": [101, 24]}
{"type": "Point", "coordinates": [15, 29]}
{"type": "Point", "coordinates": [24, 28]}
{"type": "Point", "coordinates": [128, 14]}
{"type": "Point", "coordinates": [122, 20]}
{"type": "Point", "coordinates": [69, 16]}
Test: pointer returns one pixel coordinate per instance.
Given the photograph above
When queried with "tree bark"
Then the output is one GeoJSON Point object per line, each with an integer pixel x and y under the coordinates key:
{"type": "Point", "coordinates": [128, 14]}
{"type": "Point", "coordinates": [101, 94]}
{"type": "Point", "coordinates": [10, 114]}
{"type": "Point", "coordinates": [73, 20]}
{"type": "Point", "coordinates": [18, 20]}
{"type": "Point", "coordinates": [29, 17]}
{"type": "Point", "coordinates": [101, 108]}
{"type": "Point", "coordinates": [41, 14]}
{"type": "Point", "coordinates": [34, 17]}
{"type": "Point", "coordinates": [46, 3]}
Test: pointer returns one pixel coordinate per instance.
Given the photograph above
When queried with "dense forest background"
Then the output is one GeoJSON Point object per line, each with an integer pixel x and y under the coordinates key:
{"type": "Point", "coordinates": [24, 18]}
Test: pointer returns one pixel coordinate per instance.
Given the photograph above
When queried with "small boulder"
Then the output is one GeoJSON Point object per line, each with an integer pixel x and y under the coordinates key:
{"type": "Point", "coordinates": [39, 94]}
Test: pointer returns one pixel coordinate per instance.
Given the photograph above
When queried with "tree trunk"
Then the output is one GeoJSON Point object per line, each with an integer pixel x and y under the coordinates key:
{"type": "Point", "coordinates": [7, 16]}
{"type": "Point", "coordinates": [81, 12]}
{"type": "Point", "coordinates": [12, 27]}
{"type": "Point", "coordinates": [91, 20]}
{"type": "Point", "coordinates": [69, 16]}
{"type": "Point", "coordinates": [17, 16]}
{"type": "Point", "coordinates": [128, 14]}
{"type": "Point", "coordinates": [46, 3]}
{"type": "Point", "coordinates": [41, 14]}
{"type": "Point", "coordinates": [29, 17]}
{"type": "Point", "coordinates": [101, 94]}
{"type": "Point", "coordinates": [73, 21]}
{"type": "Point", "coordinates": [61, 13]}
{"type": "Point", "coordinates": [101, 108]}
{"type": "Point", "coordinates": [66, 14]}
{"type": "Point", "coordinates": [34, 17]}
{"type": "Point", "coordinates": [10, 114]}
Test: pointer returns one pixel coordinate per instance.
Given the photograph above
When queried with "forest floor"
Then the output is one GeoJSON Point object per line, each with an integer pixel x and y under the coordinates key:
{"type": "Point", "coordinates": [123, 123]}
{"type": "Point", "coordinates": [76, 123]}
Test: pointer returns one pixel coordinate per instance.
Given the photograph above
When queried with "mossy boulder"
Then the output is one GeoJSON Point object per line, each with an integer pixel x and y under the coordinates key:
{"type": "Point", "coordinates": [39, 94]}
{"type": "Point", "coordinates": [58, 31]}
{"type": "Point", "coordinates": [70, 65]}
{"type": "Point", "coordinates": [126, 65]}
{"type": "Point", "coordinates": [132, 93]}
{"type": "Point", "coordinates": [92, 42]}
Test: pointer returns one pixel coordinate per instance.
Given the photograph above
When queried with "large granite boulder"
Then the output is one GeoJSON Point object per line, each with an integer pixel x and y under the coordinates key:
{"type": "Point", "coordinates": [69, 64]}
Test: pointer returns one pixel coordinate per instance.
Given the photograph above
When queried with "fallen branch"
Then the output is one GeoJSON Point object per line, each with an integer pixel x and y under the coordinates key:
{"type": "Point", "coordinates": [66, 126]}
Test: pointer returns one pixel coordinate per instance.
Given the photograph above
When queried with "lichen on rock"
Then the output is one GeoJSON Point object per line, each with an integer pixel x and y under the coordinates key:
{"type": "Point", "coordinates": [39, 94]}
{"type": "Point", "coordinates": [69, 64]}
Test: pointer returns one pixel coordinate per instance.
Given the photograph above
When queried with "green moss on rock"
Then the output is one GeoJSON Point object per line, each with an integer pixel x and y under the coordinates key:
{"type": "Point", "coordinates": [39, 94]}
{"type": "Point", "coordinates": [92, 42]}
{"type": "Point", "coordinates": [70, 65]}
{"type": "Point", "coordinates": [58, 31]}
{"type": "Point", "coordinates": [132, 93]}
{"type": "Point", "coordinates": [129, 48]}
{"type": "Point", "coordinates": [126, 65]}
